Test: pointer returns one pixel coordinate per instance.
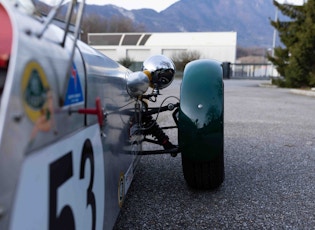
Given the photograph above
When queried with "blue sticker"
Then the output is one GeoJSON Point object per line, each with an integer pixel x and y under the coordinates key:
{"type": "Point", "coordinates": [74, 93]}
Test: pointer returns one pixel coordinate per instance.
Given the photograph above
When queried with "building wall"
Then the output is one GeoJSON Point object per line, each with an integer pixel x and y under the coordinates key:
{"type": "Point", "coordinates": [220, 46]}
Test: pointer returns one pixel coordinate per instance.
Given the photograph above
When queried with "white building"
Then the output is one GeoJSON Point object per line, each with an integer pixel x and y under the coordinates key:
{"type": "Point", "coordinates": [220, 46]}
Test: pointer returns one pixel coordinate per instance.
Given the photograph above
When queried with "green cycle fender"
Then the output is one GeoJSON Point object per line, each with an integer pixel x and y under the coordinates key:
{"type": "Point", "coordinates": [201, 113]}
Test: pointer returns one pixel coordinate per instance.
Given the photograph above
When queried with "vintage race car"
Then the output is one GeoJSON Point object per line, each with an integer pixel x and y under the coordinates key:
{"type": "Point", "coordinates": [73, 123]}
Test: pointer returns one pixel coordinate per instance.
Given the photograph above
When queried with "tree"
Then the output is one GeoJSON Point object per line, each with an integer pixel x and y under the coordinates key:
{"type": "Point", "coordinates": [296, 61]}
{"type": "Point", "coordinates": [181, 58]}
{"type": "Point", "coordinates": [93, 24]}
{"type": "Point", "coordinates": [126, 61]}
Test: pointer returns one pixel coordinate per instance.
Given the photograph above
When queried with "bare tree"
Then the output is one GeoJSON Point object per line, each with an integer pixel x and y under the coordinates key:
{"type": "Point", "coordinates": [93, 24]}
{"type": "Point", "coordinates": [181, 58]}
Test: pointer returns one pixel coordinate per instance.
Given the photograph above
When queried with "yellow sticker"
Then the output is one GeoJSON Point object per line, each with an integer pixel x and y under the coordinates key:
{"type": "Point", "coordinates": [35, 91]}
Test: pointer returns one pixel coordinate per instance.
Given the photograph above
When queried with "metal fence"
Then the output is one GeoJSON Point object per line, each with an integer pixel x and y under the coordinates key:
{"type": "Point", "coordinates": [249, 71]}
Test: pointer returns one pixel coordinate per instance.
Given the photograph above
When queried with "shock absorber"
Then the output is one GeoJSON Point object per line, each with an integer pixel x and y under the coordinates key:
{"type": "Point", "coordinates": [152, 128]}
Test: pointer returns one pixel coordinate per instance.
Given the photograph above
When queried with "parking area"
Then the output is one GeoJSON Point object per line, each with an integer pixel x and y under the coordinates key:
{"type": "Point", "coordinates": [269, 169]}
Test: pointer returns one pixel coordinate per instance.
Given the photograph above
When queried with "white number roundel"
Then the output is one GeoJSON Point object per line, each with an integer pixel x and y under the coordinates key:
{"type": "Point", "coordinates": [63, 185]}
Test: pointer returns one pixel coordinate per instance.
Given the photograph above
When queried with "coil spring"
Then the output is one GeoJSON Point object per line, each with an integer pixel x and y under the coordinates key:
{"type": "Point", "coordinates": [152, 128]}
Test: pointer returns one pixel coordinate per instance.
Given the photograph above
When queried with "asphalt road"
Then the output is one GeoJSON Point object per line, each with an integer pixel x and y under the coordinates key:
{"type": "Point", "coordinates": [269, 170]}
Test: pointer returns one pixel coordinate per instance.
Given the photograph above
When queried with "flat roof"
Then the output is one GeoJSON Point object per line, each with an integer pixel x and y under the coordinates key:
{"type": "Point", "coordinates": [163, 39]}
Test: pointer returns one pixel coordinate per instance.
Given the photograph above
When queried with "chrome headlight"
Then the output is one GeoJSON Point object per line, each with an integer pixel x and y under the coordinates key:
{"type": "Point", "coordinates": [137, 84]}
{"type": "Point", "coordinates": [162, 71]}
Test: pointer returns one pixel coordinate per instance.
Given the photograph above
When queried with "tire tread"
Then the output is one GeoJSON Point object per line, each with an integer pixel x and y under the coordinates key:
{"type": "Point", "coordinates": [204, 174]}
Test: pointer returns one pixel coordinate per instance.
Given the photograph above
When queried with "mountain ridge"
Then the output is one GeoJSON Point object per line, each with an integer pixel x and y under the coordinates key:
{"type": "Point", "coordinates": [250, 19]}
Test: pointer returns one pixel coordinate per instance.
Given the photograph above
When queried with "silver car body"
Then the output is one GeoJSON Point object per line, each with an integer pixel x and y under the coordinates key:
{"type": "Point", "coordinates": [59, 163]}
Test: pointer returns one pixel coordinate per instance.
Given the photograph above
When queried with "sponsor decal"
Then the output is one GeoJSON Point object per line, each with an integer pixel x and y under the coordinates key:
{"type": "Point", "coordinates": [74, 92]}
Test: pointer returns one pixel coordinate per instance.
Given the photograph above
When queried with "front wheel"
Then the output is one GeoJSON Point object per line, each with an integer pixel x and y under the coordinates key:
{"type": "Point", "coordinates": [204, 174]}
{"type": "Point", "coordinates": [201, 124]}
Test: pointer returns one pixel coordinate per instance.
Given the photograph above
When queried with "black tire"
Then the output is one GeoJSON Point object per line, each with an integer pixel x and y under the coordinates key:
{"type": "Point", "coordinates": [204, 174]}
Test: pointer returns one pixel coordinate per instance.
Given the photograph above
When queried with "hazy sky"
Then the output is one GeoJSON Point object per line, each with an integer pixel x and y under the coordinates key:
{"type": "Point", "coordinates": [294, 2]}
{"type": "Point", "coordinates": [152, 4]}
{"type": "Point", "coordinates": [129, 4]}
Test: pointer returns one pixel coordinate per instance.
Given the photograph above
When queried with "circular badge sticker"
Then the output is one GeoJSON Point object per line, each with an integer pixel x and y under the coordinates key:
{"type": "Point", "coordinates": [35, 90]}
